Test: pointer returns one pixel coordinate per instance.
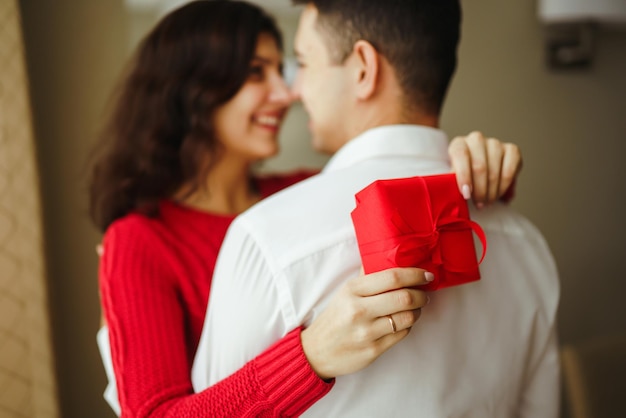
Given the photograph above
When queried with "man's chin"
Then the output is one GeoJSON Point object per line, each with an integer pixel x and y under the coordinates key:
{"type": "Point", "coordinates": [319, 145]}
{"type": "Point", "coordinates": [328, 144]}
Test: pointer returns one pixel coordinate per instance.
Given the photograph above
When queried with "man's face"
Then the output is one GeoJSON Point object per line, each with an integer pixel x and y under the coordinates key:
{"type": "Point", "coordinates": [322, 87]}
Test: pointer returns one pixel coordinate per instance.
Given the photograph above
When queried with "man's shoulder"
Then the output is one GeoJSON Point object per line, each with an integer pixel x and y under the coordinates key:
{"type": "Point", "coordinates": [318, 198]}
{"type": "Point", "coordinates": [270, 183]}
{"type": "Point", "coordinates": [302, 218]}
{"type": "Point", "coordinates": [518, 255]}
{"type": "Point", "coordinates": [314, 214]}
{"type": "Point", "coordinates": [501, 219]}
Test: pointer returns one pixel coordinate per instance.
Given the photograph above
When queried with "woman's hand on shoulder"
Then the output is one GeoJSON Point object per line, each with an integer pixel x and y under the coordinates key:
{"type": "Point", "coordinates": [486, 168]}
{"type": "Point", "coordinates": [366, 316]}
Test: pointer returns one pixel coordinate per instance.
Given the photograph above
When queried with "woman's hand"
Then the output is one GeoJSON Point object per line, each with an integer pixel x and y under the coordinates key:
{"type": "Point", "coordinates": [355, 328]}
{"type": "Point", "coordinates": [485, 167]}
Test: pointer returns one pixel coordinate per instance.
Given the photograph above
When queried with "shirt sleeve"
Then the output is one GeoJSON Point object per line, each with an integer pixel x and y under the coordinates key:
{"type": "Point", "coordinates": [246, 315]}
{"type": "Point", "coordinates": [110, 393]}
{"type": "Point", "coordinates": [237, 326]}
{"type": "Point", "coordinates": [152, 362]}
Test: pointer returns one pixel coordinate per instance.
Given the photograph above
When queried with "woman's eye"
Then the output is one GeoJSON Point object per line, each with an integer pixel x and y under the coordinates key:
{"type": "Point", "coordinates": [256, 72]}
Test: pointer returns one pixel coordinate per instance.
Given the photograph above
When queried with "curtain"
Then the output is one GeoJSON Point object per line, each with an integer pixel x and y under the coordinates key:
{"type": "Point", "coordinates": [27, 384]}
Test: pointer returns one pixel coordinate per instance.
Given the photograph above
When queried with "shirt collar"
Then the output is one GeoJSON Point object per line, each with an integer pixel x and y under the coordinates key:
{"type": "Point", "coordinates": [420, 142]}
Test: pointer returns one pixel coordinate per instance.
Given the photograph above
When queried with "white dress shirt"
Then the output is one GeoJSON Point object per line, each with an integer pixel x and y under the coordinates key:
{"type": "Point", "coordinates": [484, 349]}
{"type": "Point", "coordinates": [110, 392]}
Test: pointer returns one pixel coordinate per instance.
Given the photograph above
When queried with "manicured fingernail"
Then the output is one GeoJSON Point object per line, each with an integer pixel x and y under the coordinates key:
{"type": "Point", "coordinates": [466, 191]}
{"type": "Point", "coordinates": [429, 276]}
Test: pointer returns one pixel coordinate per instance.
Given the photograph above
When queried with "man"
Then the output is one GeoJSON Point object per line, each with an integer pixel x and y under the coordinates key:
{"type": "Point", "coordinates": [373, 79]}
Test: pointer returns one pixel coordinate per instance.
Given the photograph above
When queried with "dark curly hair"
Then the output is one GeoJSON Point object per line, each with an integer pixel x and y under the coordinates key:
{"type": "Point", "coordinates": [160, 131]}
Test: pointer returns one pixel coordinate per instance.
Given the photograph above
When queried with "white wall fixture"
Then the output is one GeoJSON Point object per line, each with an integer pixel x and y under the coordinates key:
{"type": "Point", "coordinates": [611, 12]}
{"type": "Point", "coordinates": [571, 26]}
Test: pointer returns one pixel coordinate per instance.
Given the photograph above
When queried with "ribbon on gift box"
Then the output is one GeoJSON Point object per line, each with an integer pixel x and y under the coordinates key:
{"type": "Point", "coordinates": [418, 222]}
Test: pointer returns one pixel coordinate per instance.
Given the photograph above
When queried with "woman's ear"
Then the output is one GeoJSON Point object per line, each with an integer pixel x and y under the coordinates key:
{"type": "Point", "coordinates": [367, 66]}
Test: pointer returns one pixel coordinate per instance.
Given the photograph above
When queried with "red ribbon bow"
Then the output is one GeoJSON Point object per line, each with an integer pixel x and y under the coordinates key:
{"type": "Point", "coordinates": [418, 222]}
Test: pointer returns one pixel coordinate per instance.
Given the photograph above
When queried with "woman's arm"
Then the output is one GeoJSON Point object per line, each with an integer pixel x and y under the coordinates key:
{"type": "Point", "coordinates": [152, 355]}
{"type": "Point", "coordinates": [367, 316]}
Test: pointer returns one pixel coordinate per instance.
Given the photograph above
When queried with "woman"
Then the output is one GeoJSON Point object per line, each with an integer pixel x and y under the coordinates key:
{"type": "Point", "coordinates": [203, 100]}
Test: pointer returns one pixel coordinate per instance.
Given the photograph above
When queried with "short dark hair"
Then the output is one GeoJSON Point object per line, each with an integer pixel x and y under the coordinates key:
{"type": "Point", "coordinates": [419, 38]}
{"type": "Point", "coordinates": [161, 129]}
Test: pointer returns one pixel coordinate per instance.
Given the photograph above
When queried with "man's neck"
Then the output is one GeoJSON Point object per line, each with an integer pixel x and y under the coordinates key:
{"type": "Point", "coordinates": [376, 117]}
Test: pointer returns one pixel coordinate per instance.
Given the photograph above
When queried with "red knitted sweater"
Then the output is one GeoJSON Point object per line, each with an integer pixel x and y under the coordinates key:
{"type": "Point", "coordinates": [155, 277]}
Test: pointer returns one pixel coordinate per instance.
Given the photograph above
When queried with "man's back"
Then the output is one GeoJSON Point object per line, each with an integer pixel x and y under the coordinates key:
{"type": "Point", "coordinates": [484, 349]}
{"type": "Point", "coordinates": [478, 350]}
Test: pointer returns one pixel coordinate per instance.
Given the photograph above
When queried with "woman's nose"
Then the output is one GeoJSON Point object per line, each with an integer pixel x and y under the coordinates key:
{"type": "Point", "coordinates": [280, 91]}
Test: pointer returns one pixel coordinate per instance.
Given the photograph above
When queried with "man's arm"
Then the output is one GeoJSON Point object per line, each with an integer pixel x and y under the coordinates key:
{"type": "Point", "coordinates": [247, 312]}
{"type": "Point", "coordinates": [243, 316]}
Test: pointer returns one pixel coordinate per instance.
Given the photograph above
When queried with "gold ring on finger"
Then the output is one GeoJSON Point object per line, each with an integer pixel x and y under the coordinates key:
{"type": "Point", "coordinates": [392, 323]}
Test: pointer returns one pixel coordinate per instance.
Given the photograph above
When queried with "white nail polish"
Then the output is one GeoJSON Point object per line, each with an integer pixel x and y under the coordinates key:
{"type": "Point", "coordinates": [466, 191]}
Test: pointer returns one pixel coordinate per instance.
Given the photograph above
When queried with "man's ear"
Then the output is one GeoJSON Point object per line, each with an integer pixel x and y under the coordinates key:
{"type": "Point", "coordinates": [367, 66]}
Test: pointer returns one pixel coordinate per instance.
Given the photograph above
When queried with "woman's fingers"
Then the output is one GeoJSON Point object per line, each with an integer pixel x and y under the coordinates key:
{"type": "Point", "coordinates": [461, 165]}
{"type": "Point", "coordinates": [476, 143]}
{"type": "Point", "coordinates": [495, 153]}
{"type": "Point", "coordinates": [400, 321]}
{"type": "Point", "coordinates": [358, 324]}
{"type": "Point", "coordinates": [485, 167]}
{"type": "Point", "coordinates": [396, 301]}
{"type": "Point", "coordinates": [387, 280]}
{"type": "Point", "coordinates": [511, 166]}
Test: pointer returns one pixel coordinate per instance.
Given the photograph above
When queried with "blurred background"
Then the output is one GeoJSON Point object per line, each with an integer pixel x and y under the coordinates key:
{"type": "Point", "coordinates": [61, 59]}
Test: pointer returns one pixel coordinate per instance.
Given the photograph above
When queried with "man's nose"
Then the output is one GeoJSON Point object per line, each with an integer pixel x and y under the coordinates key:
{"type": "Point", "coordinates": [296, 88]}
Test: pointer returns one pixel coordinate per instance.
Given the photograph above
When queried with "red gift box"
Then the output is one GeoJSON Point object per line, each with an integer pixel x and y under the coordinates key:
{"type": "Point", "coordinates": [418, 222]}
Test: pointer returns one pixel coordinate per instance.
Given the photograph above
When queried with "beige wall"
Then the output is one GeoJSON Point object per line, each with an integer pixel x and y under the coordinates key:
{"type": "Point", "coordinates": [570, 126]}
{"type": "Point", "coordinates": [74, 49]}
{"type": "Point", "coordinates": [27, 379]}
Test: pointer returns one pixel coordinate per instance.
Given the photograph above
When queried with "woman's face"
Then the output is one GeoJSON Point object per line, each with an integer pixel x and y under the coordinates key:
{"type": "Point", "coordinates": [247, 125]}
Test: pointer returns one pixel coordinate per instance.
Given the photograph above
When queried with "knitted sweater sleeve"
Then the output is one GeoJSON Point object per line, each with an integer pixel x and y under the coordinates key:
{"type": "Point", "coordinates": [150, 352]}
